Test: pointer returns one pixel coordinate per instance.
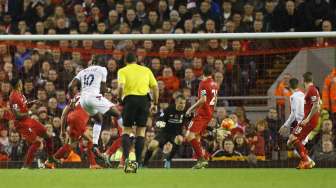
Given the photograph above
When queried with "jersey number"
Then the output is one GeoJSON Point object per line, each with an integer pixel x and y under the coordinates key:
{"type": "Point", "coordinates": [298, 130]}
{"type": "Point", "coordinates": [88, 79]}
{"type": "Point", "coordinates": [214, 98]}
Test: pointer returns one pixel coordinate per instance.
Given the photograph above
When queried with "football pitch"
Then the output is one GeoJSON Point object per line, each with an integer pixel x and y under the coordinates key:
{"type": "Point", "coordinates": [174, 178]}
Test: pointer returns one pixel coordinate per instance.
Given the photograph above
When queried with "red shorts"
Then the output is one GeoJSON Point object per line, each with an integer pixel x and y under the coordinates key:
{"type": "Point", "coordinates": [77, 126]}
{"type": "Point", "coordinates": [30, 128]}
{"type": "Point", "coordinates": [198, 125]}
{"type": "Point", "coordinates": [301, 132]}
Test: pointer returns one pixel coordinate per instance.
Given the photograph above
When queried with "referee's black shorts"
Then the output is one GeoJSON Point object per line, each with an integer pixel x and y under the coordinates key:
{"type": "Point", "coordinates": [136, 110]}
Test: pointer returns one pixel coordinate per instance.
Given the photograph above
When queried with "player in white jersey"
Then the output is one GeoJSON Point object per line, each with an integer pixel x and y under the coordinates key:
{"type": "Point", "coordinates": [297, 100]}
{"type": "Point", "coordinates": [296, 105]}
{"type": "Point", "coordinates": [92, 81]}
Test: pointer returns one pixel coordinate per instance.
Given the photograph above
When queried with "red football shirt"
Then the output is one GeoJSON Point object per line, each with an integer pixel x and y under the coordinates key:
{"type": "Point", "coordinates": [18, 101]}
{"type": "Point", "coordinates": [312, 95]}
{"type": "Point", "coordinates": [208, 88]}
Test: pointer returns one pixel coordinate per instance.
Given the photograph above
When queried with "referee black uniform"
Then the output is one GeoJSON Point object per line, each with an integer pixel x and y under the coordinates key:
{"type": "Point", "coordinates": [135, 82]}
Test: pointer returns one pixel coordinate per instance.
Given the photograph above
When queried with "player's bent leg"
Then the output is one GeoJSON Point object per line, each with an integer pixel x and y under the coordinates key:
{"type": "Point", "coordinates": [113, 111]}
{"type": "Point", "coordinates": [31, 153]}
{"type": "Point", "coordinates": [98, 117]}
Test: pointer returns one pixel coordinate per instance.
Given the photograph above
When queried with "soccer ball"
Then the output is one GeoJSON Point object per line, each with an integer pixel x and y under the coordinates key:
{"type": "Point", "coordinates": [228, 124]}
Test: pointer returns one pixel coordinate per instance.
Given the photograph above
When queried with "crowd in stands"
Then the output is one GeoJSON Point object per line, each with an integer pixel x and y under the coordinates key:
{"type": "Point", "coordinates": [47, 67]}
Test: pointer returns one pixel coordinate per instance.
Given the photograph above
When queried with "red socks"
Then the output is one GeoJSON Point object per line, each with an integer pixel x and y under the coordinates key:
{"type": "Point", "coordinates": [115, 146]}
{"type": "Point", "coordinates": [197, 148]}
{"type": "Point", "coordinates": [31, 153]}
{"type": "Point", "coordinates": [49, 146]}
{"type": "Point", "coordinates": [63, 152]}
{"type": "Point", "coordinates": [91, 155]}
{"type": "Point", "coordinates": [301, 150]}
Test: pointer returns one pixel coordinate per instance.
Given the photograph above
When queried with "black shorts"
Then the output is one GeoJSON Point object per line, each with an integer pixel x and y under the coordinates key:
{"type": "Point", "coordinates": [136, 110]}
{"type": "Point", "coordinates": [163, 138]}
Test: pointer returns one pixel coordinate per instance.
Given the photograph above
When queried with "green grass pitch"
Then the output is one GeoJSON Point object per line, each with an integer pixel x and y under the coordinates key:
{"type": "Point", "coordinates": [171, 178]}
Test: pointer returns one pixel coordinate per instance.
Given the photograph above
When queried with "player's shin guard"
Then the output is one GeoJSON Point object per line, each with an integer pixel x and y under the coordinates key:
{"type": "Point", "coordinates": [126, 144]}
{"type": "Point", "coordinates": [115, 146]}
{"type": "Point", "coordinates": [96, 133]}
{"type": "Point", "coordinates": [197, 148]}
{"type": "Point", "coordinates": [139, 145]}
{"type": "Point", "coordinates": [31, 153]}
{"type": "Point", "coordinates": [63, 152]}
{"type": "Point", "coordinates": [301, 150]}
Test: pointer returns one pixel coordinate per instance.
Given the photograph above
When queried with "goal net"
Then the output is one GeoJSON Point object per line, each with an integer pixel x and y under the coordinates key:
{"type": "Point", "coordinates": [251, 70]}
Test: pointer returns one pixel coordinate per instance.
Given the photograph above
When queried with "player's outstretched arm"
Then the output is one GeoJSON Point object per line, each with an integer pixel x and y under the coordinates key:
{"type": "Point", "coordinates": [199, 102]}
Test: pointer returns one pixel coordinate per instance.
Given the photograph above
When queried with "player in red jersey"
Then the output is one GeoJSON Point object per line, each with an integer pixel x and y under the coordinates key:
{"type": "Point", "coordinates": [117, 122]}
{"type": "Point", "coordinates": [77, 119]}
{"type": "Point", "coordinates": [33, 131]}
{"type": "Point", "coordinates": [207, 98]}
{"type": "Point", "coordinates": [310, 121]}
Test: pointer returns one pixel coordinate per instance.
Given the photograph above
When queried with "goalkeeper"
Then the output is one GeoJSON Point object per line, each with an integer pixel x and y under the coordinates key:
{"type": "Point", "coordinates": [171, 123]}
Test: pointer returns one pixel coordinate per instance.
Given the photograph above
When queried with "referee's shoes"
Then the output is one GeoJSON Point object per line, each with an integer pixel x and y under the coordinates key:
{"type": "Point", "coordinates": [130, 166]}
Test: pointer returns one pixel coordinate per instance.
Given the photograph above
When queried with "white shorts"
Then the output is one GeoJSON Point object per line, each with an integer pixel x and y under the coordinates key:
{"type": "Point", "coordinates": [93, 104]}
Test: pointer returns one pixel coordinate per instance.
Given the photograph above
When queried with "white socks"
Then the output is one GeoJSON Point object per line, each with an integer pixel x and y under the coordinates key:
{"type": "Point", "coordinates": [96, 133]}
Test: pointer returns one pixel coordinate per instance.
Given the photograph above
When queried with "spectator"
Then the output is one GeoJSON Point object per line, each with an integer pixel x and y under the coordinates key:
{"type": "Point", "coordinates": [17, 148]}
{"type": "Point", "coordinates": [256, 142]}
{"type": "Point", "coordinates": [315, 12]}
{"type": "Point", "coordinates": [287, 17]}
{"type": "Point", "coordinates": [156, 66]}
{"type": "Point", "coordinates": [241, 144]}
{"type": "Point", "coordinates": [61, 99]}
{"type": "Point", "coordinates": [228, 150]}
{"type": "Point", "coordinates": [283, 91]}
{"type": "Point", "coordinates": [221, 114]}
{"type": "Point", "coordinates": [219, 79]}
{"type": "Point", "coordinates": [190, 81]}
{"type": "Point", "coordinates": [263, 131]}
{"type": "Point", "coordinates": [4, 141]}
{"type": "Point", "coordinates": [274, 124]}
{"type": "Point", "coordinates": [327, 153]}
{"type": "Point", "coordinates": [172, 83]}
{"type": "Point", "coordinates": [178, 68]}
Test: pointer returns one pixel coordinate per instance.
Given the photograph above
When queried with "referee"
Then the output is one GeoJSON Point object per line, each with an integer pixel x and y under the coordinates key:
{"type": "Point", "coordinates": [134, 84]}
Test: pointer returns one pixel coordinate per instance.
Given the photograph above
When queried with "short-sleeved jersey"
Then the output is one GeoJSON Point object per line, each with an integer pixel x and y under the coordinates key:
{"type": "Point", "coordinates": [208, 88]}
{"type": "Point", "coordinates": [137, 79]}
{"type": "Point", "coordinates": [18, 101]}
{"type": "Point", "coordinates": [312, 96]}
{"type": "Point", "coordinates": [91, 78]}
